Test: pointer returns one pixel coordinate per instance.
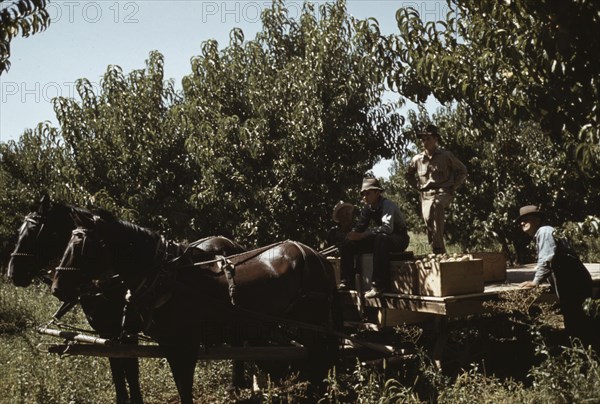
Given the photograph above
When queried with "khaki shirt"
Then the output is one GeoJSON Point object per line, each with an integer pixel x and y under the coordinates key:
{"type": "Point", "coordinates": [440, 171]}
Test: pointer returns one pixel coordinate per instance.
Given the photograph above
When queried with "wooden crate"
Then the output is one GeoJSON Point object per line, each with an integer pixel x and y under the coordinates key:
{"type": "Point", "coordinates": [494, 266]}
{"type": "Point", "coordinates": [450, 278]}
{"type": "Point", "coordinates": [336, 264]}
{"type": "Point", "coordinates": [403, 277]}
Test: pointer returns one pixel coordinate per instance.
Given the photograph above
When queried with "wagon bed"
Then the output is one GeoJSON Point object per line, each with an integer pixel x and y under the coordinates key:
{"type": "Point", "coordinates": [373, 315]}
{"type": "Point", "coordinates": [392, 309]}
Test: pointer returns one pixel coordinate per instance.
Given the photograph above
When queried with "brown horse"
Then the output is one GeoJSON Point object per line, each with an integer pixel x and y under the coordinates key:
{"type": "Point", "coordinates": [43, 237]}
{"type": "Point", "coordinates": [185, 305]}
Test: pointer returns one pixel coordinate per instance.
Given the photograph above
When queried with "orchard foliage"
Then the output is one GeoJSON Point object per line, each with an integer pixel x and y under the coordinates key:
{"type": "Point", "coordinates": [125, 151]}
{"type": "Point", "coordinates": [27, 166]}
{"type": "Point", "coordinates": [266, 136]}
{"type": "Point", "coordinates": [521, 85]}
{"type": "Point", "coordinates": [283, 125]}
{"type": "Point", "coordinates": [512, 59]}
{"type": "Point", "coordinates": [520, 167]}
{"type": "Point", "coordinates": [26, 17]}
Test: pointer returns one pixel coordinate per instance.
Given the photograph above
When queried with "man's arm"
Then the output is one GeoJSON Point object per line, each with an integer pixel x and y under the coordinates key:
{"type": "Point", "coordinates": [546, 248]}
{"type": "Point", "coordinates": [410, 173]}
{"type": "Point", "coordinates": [362, 223]}
{"type": "Point", "coordinates": [388, 218]}
{"type": "Point", "coordinates": [459, 172]}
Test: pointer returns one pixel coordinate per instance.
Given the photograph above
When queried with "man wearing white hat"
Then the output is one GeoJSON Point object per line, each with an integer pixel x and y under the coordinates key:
{"type": "Point", "coordinates": [343, 216]}
{"type": "Point", "coordinates": [388, 234]}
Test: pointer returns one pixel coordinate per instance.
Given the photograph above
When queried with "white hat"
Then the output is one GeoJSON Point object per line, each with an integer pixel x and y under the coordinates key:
{"type": "Point", "coordinates": [339, 207]}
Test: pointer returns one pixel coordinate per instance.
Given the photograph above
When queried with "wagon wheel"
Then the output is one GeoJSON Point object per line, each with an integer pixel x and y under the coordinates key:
{"type": "Point", "coordinates": [459, 344]}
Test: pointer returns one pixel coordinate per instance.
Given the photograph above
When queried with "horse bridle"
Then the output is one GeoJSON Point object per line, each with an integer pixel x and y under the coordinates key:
{"type": "Point", "coordinates": [35, 219]}
{"type": "Point", "coordinates": [77, 232]}
{"type": "Point", "coordinates": [109, 279]}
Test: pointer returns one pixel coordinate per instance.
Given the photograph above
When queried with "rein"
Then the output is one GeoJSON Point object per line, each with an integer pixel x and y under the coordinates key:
{"type": "Point", "coordinates": [250, 254]}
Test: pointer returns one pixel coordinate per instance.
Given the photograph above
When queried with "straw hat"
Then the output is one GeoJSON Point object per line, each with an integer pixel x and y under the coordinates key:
{"type": "Point", "coordinates": [529, 210]}
{"type": "Point", "coordinates": [339, 207]}
{"type": "Point", "coordinates": [371, 183]}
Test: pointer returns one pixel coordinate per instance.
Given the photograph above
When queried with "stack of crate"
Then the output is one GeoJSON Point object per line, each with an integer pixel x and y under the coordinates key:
{"type": "Point", "coordinates": [434, 276]}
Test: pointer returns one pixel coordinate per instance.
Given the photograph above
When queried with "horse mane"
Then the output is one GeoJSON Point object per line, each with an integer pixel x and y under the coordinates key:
{"type": "Point", "coordinates": [124, 229]}
{"type": "Point", "coordinates": [137, 233]}
{"type": "Point", "coordinates": [66, 208]}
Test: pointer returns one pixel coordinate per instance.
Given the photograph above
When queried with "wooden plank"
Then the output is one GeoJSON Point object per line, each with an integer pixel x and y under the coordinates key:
{"type": "Point", "coordinates": [594, 269]}
{"type": "Point", "coordinates": [407, 302]}
{"type": "Point", "coordinates": [154, 351]}
{"type": "Point", "coordinates": [74, 336]}
{"type": "Point", "coordinates": [393, 317]}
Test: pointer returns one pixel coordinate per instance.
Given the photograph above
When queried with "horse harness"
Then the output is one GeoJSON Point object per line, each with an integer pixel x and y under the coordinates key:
{"type": "Point", "coordinates": [157, 290]}
{"type": "Point", "coordinates": [35, 219]}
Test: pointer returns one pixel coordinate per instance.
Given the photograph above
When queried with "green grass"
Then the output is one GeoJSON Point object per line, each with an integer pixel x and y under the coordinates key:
{"type": "Point", "coordinates": [30, 375]}
{"type": "Point", "coordinates": [420, 246]}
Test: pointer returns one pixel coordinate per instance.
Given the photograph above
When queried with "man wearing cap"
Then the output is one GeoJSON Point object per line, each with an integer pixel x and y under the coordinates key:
{"type": "Point", "coordinates": [437, 174]}
{"type": "Point", "coordinates": [558, 263]}
{"type": "Point", "coordinates": [388, 234]}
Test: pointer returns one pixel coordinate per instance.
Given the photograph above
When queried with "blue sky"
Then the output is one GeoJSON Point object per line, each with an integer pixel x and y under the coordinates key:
{"type": "Point", "coordinates": [87, 36]}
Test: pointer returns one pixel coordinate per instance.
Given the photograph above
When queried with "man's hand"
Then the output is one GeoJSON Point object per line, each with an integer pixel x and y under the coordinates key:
{"type": "Point", "coordinates": [527, 285]}
{"type": "Point", "coordinates": [354, 235]}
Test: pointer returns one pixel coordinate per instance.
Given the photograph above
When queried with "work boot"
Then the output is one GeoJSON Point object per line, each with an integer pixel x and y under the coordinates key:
{"type": "Point", "coordinates": [372, 293]}
{"type": "Point", "coordinates": [346, 284]}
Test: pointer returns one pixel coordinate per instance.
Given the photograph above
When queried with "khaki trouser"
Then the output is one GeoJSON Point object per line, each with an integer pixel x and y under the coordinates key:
{"type": "Point", "coordinates": [433, 206]}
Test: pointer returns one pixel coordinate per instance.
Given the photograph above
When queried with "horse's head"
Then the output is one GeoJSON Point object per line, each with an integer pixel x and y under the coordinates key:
{"type": "Point", "coordinates": [41, 238]}
{"type": "Point", "coordinates": [85, 260]}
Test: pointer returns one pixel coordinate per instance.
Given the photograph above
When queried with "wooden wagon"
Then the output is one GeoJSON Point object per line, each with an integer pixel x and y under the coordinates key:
{"type": "Point", "coordinates": [480, 279]}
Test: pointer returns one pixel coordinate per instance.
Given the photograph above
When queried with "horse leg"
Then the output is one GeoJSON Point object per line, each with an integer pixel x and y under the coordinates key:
{"type": "Point", "coordinates": [132, 374]}
{"type": "Point", "coordinates": [237, 375]}
{"type": "Point", "coordinates": [182, 359]}
{"type": "Point", "coordinates": [118, 376]}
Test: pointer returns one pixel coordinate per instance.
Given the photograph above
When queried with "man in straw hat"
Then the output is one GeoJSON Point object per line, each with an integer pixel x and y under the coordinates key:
{"type": "Point", "coordinates": [558, 263]}
{"type": "Point", "coordinates": [388, 233]}
{"type": "Point", "coordinates": [343, 216]}
{"type": "Point", "coordinates": [437, 174]}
